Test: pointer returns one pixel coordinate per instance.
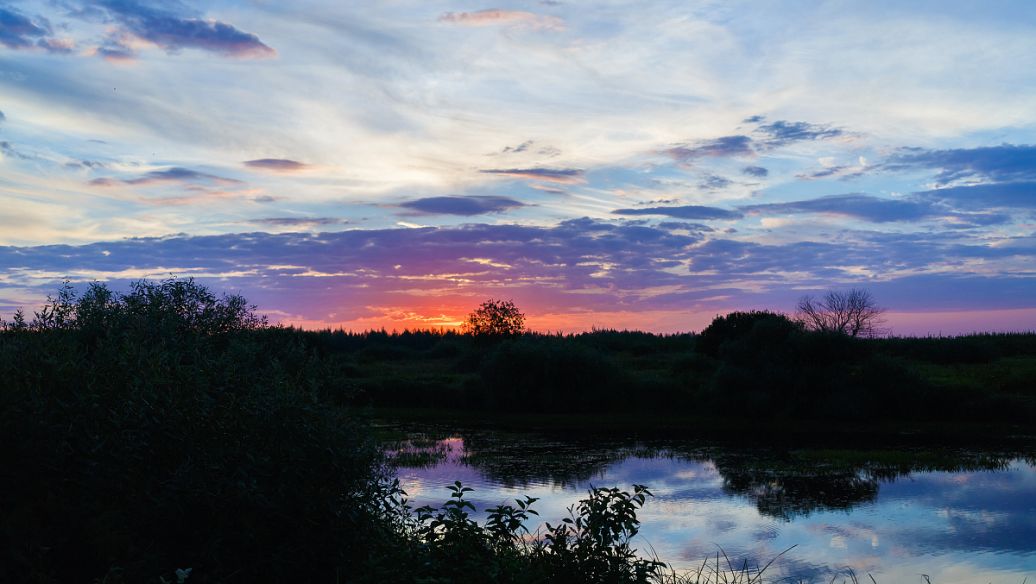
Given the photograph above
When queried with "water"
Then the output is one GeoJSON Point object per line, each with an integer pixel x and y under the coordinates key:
{"type": "Point", "coordinates": [950, 515]}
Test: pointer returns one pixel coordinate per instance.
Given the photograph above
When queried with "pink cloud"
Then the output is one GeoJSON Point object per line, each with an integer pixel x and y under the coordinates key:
{"type": "Point", "coordinates": [495, 16]}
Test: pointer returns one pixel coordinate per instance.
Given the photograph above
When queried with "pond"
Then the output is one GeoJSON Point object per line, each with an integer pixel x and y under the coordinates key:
{"type": "Point", "coordinates": [897, 514]}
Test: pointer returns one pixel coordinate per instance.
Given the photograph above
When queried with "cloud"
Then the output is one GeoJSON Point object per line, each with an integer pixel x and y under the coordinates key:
{"type": "Point", "coordinates": [878, 210]}
{"type": "Point", "coordinates": [173, 32]}
{"type": "Point", "coordinates": [558, 175]}
{"type": "Point", "coordinates": [298, 221]}
{"type": "Point", "coordinates": [8, 149]}
{"type": "Point", "coordinates": [684, 212]}
{"type": "Point", "coordinates": [575, 266]}
{"type": "Point", "coordinates": [116, 48]}
{"type": "Point", "coordinates": [755, 171]}
{"type": "Point", "coordinates": [726, 146]}
{"type": "Point", "coordinates": [855, 205]}
{"type": "Point", "coordinates": [1002, 163]}
{"type": "Point", "coordinates": [713, 182]}
{"type": "Point", "coordinates": [781, 132]}
{"type": "Point", "coordinates": [174, 174]}
{"type": "Point", "coordinates": [465, 206]}
{"type": "Point", "coordinates": [1019, 195]}
{"type": "Point", "coordinates": [494, 16]}
{"type": "Point", "coordinates": [3, 118]}
{"type": "Point", "coordinates": [276, 164]}
{"type": "Point", "coordinates": [517, 149]}
{"type": "Point", "coordinates": [19, 32]}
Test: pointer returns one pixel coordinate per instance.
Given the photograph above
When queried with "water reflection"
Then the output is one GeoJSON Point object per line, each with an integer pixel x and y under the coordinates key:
{"type": "Point", "coordinates": [955, 516]}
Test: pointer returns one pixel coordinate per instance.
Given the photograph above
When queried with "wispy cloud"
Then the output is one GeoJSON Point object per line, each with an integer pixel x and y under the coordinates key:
{"type": "Point", "coordinates": [918, 207]}
{"type": "Point", "coordinates": [298, 221]}
{"type": "Point", "coordinates": [682, 212]}
{"type": "Point", "coordinates": [781, 132]}
{"type": "Point", "coordinates": [465, 206]}
{"type": "Point", "coordinates": [726, 146]}
{"type": "Point", "coordinates": [558, 175]}
{"type": "Point", "coordinates": [174, 174]}
{"type": "Point", "coordinates": [855, 205]}
{"type": "Point", "coordinates": [495, 16]}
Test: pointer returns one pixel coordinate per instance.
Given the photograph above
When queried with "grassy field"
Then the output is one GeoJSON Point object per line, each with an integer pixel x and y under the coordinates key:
{"type": "Point", "coordinates": [758, 381]}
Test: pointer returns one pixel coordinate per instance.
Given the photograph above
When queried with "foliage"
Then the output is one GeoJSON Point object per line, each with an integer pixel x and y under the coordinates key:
{"type": "Point", "coordinates": [737, 325]}
{"type": "Point", "coordinates": [592, 545]}
{"type": "Point", "coordinates": [496, 318]}
{"type": "Point", "coordinates": [168, 429]}
{"type": "Point", "coordinates": [853, 312]}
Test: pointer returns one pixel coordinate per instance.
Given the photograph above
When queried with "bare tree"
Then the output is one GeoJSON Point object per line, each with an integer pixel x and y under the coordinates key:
{"type": "Point", "coordinates": [496, 317]}
{"type": "Point", "coordinates": [853, 312]}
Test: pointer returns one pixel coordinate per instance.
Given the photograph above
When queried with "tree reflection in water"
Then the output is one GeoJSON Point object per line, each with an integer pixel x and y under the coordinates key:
{"type": "Point", "coordinates": [782, 483]}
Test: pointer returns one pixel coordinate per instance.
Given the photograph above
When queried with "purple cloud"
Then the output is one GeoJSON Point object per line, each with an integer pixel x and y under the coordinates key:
{"type": "Point", "coordinates": [713, 182]}
{"type": "Point", "coordinates": [1018, 195]}
{"type": "Point", "coordinates": [465, 206]}
{"type": "Point", "coordinates": [19, 32]}
{"type": "Point", "coordinates": [878, 210]}
{"type": "Point", "coordinates": [856, 205]}
{"type": "Point", "coordinates": [173, 32]}
{"type": "Point", "coordinates": [174, 174]}
{"type": "Point", "coordinates": [755, 171]}
{"type": "Point", "coordinates": [726, 146]}
{"type": "Point", "coordinates": [558, 175]}
{"type": "Point", "coordinates": [1004, 163]}
{"type": "Point", "coordinates": [495, 16]}
{"type": "Point", "coordinates": [684, 212]}
{"type": "Point", "coordinates": [781, 132]}
{"type": "Point", "coordinates": [276, 164]}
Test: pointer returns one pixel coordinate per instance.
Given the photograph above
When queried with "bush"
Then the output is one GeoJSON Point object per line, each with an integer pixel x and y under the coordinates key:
{"type": "Point", "coordinates": [169, 429]}
{"type": "Point", "coordinates": [737, 325]}
{"type": "Point", "coordinates": [592, 545]}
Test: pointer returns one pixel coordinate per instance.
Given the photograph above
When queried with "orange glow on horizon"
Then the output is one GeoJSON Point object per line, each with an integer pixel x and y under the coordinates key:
{"type": "Point", "coordinates": [440, 317]}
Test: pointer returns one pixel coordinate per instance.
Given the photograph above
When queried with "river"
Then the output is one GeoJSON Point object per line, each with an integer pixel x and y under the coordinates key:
{"type": "Point", "coordinates": [897, 514]}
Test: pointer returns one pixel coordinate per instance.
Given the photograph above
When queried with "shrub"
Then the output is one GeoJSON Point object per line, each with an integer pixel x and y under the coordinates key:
{"type": "Point", "coordinates": [592, 545]}
{"type": "Point", "coordinates": [737, 325]}
{"type": "Point", "coordinates": [169, 429]}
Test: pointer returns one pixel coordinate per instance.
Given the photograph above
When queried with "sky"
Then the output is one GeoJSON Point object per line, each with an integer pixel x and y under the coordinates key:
{"type": "Point", "coordinates": [609, 164]}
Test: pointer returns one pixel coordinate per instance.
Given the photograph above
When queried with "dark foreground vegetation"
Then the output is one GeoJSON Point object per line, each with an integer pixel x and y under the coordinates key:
{"type": "Point", "coordinates": [169, 428]}
{"type": "Point", "coordinates": [745, 369]}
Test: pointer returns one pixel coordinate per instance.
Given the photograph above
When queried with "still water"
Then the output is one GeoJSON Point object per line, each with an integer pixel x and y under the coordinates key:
{"type": "Point", "coordinates": [900, 515]}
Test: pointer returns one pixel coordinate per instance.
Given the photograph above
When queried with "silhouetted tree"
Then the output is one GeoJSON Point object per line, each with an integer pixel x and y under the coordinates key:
{"type": "Point", "coordinates": [853, 312]}
{"type": "Point", "coordinates": [497, 318]}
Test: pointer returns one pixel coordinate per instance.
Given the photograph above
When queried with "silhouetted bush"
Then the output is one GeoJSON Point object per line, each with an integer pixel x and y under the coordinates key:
{"type": "Point", "coordinates": [167, 428]}
{"type": "Point", "coordinates": [737, 325]}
